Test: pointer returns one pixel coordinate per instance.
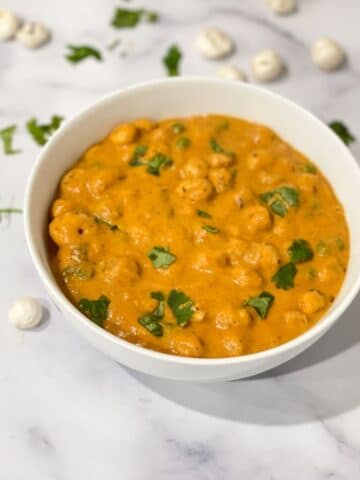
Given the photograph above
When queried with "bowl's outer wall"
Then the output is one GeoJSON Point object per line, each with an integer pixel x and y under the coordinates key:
{"type": "Point", "coordinates": [183, 97]}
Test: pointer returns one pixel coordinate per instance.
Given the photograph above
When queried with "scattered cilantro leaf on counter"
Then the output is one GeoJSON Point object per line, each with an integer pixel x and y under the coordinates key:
{"type": "Point", "coordinates": [157, 162]}
{"type": "Point", "coordinates": [181, 306]}
{"type": "Point", "coordinates": [161, 257]}
{"type": "Point", "coordinates": [151, 321]}
{"type": "Point", "coordinates": [78, 53]}
{"type": "Point", "coordinates": [171, 60]}
{"type": "Point", "coordinates": [284, 277]}
{"type": "Point", "coordinates": [6, 135]}
{"type": "Point", "coordinates": [203, 214]}
{"type": "Point", "coordinates": [139, 152]}
{"type": "Point", "coordinates": [151, 17]}
{"type": "Point", "coordinates": [9, 211]}
{"type": "Point", "coordinates": [261, 303]}
{"type": "Point", "coordinates": [342, 131]}
{"type": "Point", "coordinates": [96, 310]}
{"type": "Point", "coordinates": [41, 133]}
{"type": "Point", "coordinates": [210, 229]}
{"type": "Point", "coordinates": [128, 18]}
{"type": "Point", "coordinates": [300, 251]}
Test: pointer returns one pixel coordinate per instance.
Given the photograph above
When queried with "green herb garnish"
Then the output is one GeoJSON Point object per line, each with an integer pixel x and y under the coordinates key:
{"type": "Point", "coordinates": [280, 199]}
{"type": "Point", "coordinates": [151, 17]}
{"type": "Point", "coordinates": [177, 128]}
{"type": "Point", "coordinates": [6, 135]}
{"type": "Point", "coordinates": [300, 251]}
{"type": "Point", "coordinates": [181, 306]}
{"type": "Point", "coordinates": [161, 257]}
{"type": "Point", "coordinates": [41, 133]}
{"type": "Point", "coordinates": [158, 162]}
{"type": "Point", "coordinates": [261, 303]}
{"type": "Point", "coordinates": [203, 214]}
{"type": "Point", "coordinates": [214, 145]}
{"type": "Point", "coordinates": [151, 321]}
{"type": "Point", "coordinates": [284, 277]}
{"type": "Point", "coordinates": [322, 248]}
{"type": "Point", "coordinates": [126, 18]}
{"type": "Point", "coordinates": [342, 131]}
{"type": "Point", "coordinates": [9, 211]}
{"type": "Point", "coordinates": [172, 60]}
{"type": "Point", "coordinates": [109, 225]}
{"type": "Point", "coordinates": [210, 229]}
{"type": "Point", "coordinates": [96, 310]}
{"type": "Point", "coordinates": [183, 143]}
{"type": "Point", "coordinates": [79, 53]}
{"type": "Point", "coordinates": [308, 168]}
{"type": "Point", "coordinates": [139, 152]}
{"type": "Point", "coordinates": [340, 243]}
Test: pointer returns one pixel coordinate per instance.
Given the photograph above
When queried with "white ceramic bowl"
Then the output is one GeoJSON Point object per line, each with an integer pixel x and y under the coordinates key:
{"type": "Point", "coordinates": [181, 97]}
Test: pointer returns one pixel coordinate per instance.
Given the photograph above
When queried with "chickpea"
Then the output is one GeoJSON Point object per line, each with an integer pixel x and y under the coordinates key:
{"type": "Point", "coordinates": [263, 255]}
{"type": "Point", "coordinates": [257, 218]}
{"type": "Point", "coordinates": [185, 343]}
{"type": "Point", "coordinates": [259, 159]}
{"type": "Point", "coordinates": [72, 228]}
{"type": "Point", "coordinates": [122, 268]}
{"type": "Point", "coordinates": [246, 277]}
{"type": "Point", "coordinates": [236, 250]}
{"type": "Point", "coordinates": [124, 134]}
{"type": "Point", "coordinates": [243, 196]}
{"type": "Point", "coordinates": [198, 315]}
{"type": "Point", "coordinates": [194, 168]}
{"type": "Point", "coordinates": [295, 319]}
{"type": "Point", "coordinates": [231, 317]}
{"type": "Point", "coordinates": [60, 206]}
{"type": "Point", "coordinates": [208, 262]}
{"type": "Point", "coordinates": [220, 160]}
{"type": "Point", "coordinates": [140, 235]}
{"type": "Point", "coordinates": [233, 344]}
{"type": "Point", "coordinates": [101, 179]}
{"type": "Point", "coordinates": [144, 124]}
{"type": "Point", "coordinates": [195, 190]}
{"type": "Point", "coordinates": [330, 271]}
{"type": "Point", "coordinates": [308, 182]}
{"type": "Point", "coordinates": [311, 302]}
{"type": "Point", "coordinates": [107, 209]}
{"type": "Point", "coordinates": [73, 181]}
{"type": "Point", "coordinates": [269, 179]}
{"type": "Point", "coordinates": [220, 178]}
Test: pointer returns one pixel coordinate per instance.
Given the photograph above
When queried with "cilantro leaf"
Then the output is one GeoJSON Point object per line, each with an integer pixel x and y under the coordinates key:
{"type": "Point", "coordinates": [280, 199]}
{"type": "Point", "coordinates": [203, 214]}
{"type": "Point", "coordinates": [308, 168]}
{"type": "Point", "coordinates": [177, 128]}
{"type": "Point", "coordinates": [151, 321]}
{"type": "Point", "coordinates": [41, 133]}
{"type": "Point", "coordinates": [210, 229]}
{"type": "Point", "coordinates": [96, 310]}
{"type": "Point", "coordinates": [109, 225]}
{"type": "Point", "coordinates": [78, 53]}
{"type": "Point", "coordinates": [261, 303]}
{"type": "Point", "coordinates": [139, 152]}
{"type": "Point", "coordinates": [157, 162]}
{"type": "Point", "coordinates": [9, 211]}
{"type": "Point", "coordinates": [218, 148]}
{"type": "Point", "coordinates": [171, 60]}
{"type": "Point", "coordinates": [181, 306]}
{"type": "Point", "coordinates": [279, 208]}
{"type": "Point", "coordinates": [300, 251]}
{"type": "Point", "coordinates": [161, 257]}
{"type": "Point", "coordinates": [126, 18]}
{"type": "Point", "coordinates": [290, 195]}
{"type": "Point", "coordinates": [6, 135]}
{"type": "Point", "coordinates": [284, 277]}
{"type": "Point", "coordinates": [183, 143]}
{"type": "Point", "coordinates": [342, 131]}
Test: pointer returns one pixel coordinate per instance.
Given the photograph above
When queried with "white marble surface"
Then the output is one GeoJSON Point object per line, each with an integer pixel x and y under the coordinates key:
{"type": "Point", "coordinates": [69, 413]}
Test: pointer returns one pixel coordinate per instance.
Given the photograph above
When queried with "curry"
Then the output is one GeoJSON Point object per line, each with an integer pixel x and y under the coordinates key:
{"type": "Point", "coordinates": [206, 236]}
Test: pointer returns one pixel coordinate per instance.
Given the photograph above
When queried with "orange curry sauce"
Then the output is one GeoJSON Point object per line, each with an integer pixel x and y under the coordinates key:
{"type": "Point", "coordinates": [206, 236]}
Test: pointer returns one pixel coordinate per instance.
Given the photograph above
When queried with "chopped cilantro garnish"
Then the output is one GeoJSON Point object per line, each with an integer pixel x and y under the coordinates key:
{"type": "Point", "coordinates": [181, 306]}
{"type": "Point", "coordinates": [78, 53]}
{"type": "Point", "coordinates": [308, 168]}
{"type": "Point", "coordinates": [96, 310]}
{"type": "Point", "coordinates": [284, 277]}
{"type": "Point", "coordinates": [210, 229]}
{"type": "Point", "coordinates": [109, 225]}
{"type": "Point", "coordinates": [203, 214]}
{"type": "Point", "coordinates": [280, 199]}
{"type": "Point", "coordinates": [322, 248]}
{"type": "Point", "coordinates": [9, 211]}
{"type": "Point", "coordinates": [6, 135]}
{"type": "Point", "coordinates": [300, 251]}
{"type": "Point", "coordinates": [177, 128]}
{"type": "Point", "coordinates": [342, 131]}
{"type": "Point", "coordinates": [261, 303]}
{"type": "Point", "coordinates": [183, 143]}
{"type": "Point", "coordinates": [172, 60]}
{"type": "Point", "coordinates": [158, 162]}
{"type": "Point", "coordinates": [139, 152]}
{"type": "Point", "coordinates": [41, 133]}
{"type": "Point", "coordinates": [127, 18]}
{"type": "Point", "coordinates": [161, 257]}
{"type": "Point", "coordinates": [218, 148]}
{"type": "Point", "coordinates": [151, 321]}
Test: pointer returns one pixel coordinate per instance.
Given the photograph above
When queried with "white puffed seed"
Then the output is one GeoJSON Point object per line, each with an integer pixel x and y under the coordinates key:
{"type": "Point", "coordinates": [9, 23]}
{"type": "Point", "coordinates": [213, 43]}
{"type": "Point", "coordinates": [231, 72]}
{"type": "Point", "coordinates": [327, 54]}
{"type": "Point", "coordinates": [33, 35]}
{"type": "Point", "coordinates": [25, 313]}
{"type": "Point", "coordinates": [266, 66]}
{"type": "Point", "coordinates": [282, 7]}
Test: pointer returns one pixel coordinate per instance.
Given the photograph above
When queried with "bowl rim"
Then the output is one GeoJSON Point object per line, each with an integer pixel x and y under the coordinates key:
{"type": "Point", "coordinates": [303, 340]}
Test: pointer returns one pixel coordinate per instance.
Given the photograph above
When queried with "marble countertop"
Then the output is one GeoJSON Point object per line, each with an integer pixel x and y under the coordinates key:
{"type": "Point", "coordinates": [69, 413]}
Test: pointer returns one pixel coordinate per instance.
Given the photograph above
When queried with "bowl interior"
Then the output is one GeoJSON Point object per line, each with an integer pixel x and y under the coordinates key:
{"type": "Point", "coordinates": [182, 97]}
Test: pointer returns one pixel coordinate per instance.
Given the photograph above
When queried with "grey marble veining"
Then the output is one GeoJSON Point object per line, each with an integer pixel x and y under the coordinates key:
{"type": "Point", "coordinates": [69, 413]}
